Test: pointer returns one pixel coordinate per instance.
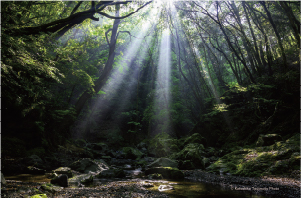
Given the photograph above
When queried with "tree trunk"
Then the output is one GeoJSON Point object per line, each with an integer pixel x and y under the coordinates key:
{"type": "Point", "coordinates": [293, 21]}
{"type": "Point", "coordinates": [107, 69]}
{"type": "Point", "coordinates": [276, 32]}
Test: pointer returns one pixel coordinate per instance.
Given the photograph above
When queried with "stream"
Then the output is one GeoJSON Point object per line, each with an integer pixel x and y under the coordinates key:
{"type": "Point", "coordinates": [182, 188]}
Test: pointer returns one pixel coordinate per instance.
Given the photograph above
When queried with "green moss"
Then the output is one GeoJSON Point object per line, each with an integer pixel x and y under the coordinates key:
{"type": "Point", "coordinates": [155, 176]}
{"type": "Point", "coordinates": [260, 161]}
{"type": "Point", "coordinates": [193, 152]}
{"type": "Point", "coordinates": [131, 153]}
{"type": "Point", "coordinates": [39, 196]}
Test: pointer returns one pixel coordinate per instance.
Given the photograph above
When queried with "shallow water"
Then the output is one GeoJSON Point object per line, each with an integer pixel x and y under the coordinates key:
{"type": "Point", "coordinates": [28, 178]}
{"type": "Point", "coordinates": [182, 189]}
{"type": "Point", "coordinates": [191, 189]}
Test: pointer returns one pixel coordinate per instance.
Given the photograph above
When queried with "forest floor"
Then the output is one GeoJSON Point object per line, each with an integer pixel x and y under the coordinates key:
{"type": "Point", "coordinates": [266, 186]}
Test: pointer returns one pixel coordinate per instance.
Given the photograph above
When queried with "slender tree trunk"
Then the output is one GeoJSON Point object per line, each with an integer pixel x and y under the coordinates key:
{"type": "Point", "coordinates": [276, 32]}
{"type": "Point", "coordinates": [260, 62]}
{"type": "Point", "coordinates": [107, 69]}
{"type": "Point", "coordinates": [295, 24]}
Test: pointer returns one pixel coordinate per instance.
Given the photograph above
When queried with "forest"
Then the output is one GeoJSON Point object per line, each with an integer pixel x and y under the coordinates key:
{"type": "Point", "coordinates": [120, 98]}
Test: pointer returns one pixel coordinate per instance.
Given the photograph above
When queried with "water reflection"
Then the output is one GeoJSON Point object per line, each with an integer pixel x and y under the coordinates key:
{"type": "Point", "coordinates": [186, 188]}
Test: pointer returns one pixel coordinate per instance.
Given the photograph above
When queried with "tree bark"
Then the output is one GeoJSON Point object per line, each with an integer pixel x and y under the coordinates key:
{"type": "Point", "coordinates": [276, 32]}
{"type": "Point", "coordinates": [107, 69]}
{"type": "Point", "coordinates": [61, 26]}
{"type": "Point", "coordinates": [295, 24]}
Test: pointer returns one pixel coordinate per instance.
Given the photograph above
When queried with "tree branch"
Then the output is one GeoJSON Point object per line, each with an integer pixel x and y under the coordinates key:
{"type": "Point", "coordinates": [112, 17]}
{"type": "Point", "coordinates": [107, 35]}
{"type": "Point", "coordinates": [76, 7]}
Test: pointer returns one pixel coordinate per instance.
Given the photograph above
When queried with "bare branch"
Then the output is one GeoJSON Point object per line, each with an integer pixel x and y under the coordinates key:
{"type": "Point", "coordinates": [107, 35]}
{"type": "Point", "coordinates": [112, 17]}
{"type": "Point", "coordinates": [76, 7]}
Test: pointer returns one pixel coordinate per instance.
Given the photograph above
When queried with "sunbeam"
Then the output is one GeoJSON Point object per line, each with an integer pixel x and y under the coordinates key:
{"type": "Point", "coordinates": [123, 62]}
{"type": "Point", "coordinates": [162, 98]}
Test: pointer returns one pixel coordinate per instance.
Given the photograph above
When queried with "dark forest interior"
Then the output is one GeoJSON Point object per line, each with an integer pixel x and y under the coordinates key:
{"type": "Point", "coordinates": [169, 87]}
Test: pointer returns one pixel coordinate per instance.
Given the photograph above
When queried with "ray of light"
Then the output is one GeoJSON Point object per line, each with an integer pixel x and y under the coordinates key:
{"type": "Point", "coordinates": [162, 99]}
{"type": "Point", "coordinates": [119, 73]}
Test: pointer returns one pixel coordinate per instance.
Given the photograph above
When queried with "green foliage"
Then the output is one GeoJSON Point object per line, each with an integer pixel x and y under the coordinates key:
{"type": "Point", "coordinates": [163, 145]}
{"type": "Point", "coordinates": [114, 137]}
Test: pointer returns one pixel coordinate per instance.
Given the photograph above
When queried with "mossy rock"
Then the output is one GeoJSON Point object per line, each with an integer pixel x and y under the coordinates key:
{"type": "Point", "coordinates": [166, 172]}
{"type": "Point", "coordinates": [268, 139]}
{"type": "Point", "coordinates": [87, 165]}
{"type": "Point", "coordinates": [131, 153]}
{"type": "Point", "coordinates": [87, 180]}
{"type": "Point", "coordinates": [195, 138]}
{"type": "Point", "coordinates": [83, 178]}
{"type": "Point", "coordinates": [193, 152]}
{"type": "Point", "coordinates": [252, 168]}
{"type": "Point", "coordinates": [164, 162]}
{"type": "Point", "coordinates": [63, 170]}
{"type": "Point", "coordinates": [163, 145]}
{"type": "Point", "coordinates": [51, 188]}
{"type": "Point", "coordinates": [39, 196]}
{"type": "Point", "coordinates": [155, 176]}
{"type": "Point", "coordinates": [61, 180]}
{"type": "Point", "coordinates": [279, 167]}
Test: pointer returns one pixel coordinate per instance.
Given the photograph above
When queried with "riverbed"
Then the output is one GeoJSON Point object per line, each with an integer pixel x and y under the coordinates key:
{"type": "Point", "coordinates": [197, 184]}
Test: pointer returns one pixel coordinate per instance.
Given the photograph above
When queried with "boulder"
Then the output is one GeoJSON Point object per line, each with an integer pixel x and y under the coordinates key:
{"type": "Point", "coordinates": [87, 165]}
{"type": "Point", "coordinates": [51, 188]}
{"type": "Point", "coordinates": [61, 180]}
{"type": "Point", "coordinates": [193, 152]}
{"type": "Point", "coordinates": [63, 170]}
{"type": "Point", "coordinates": [210, 151]}
{"type": "Point", "coordinates": [164, 162]}
{"type": "Point", "coordinates": [155, 176]}
{"type": "Point", "coordinates": [112, 173]}
{"type": "Point", "coordinates": [131, 153]}
{"type": "Point", "coordinates": [268, 139]}
{"type": "Point", "coordinates": [166, 172]}
{"type": "Point", "coordinates": [83, 178]}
